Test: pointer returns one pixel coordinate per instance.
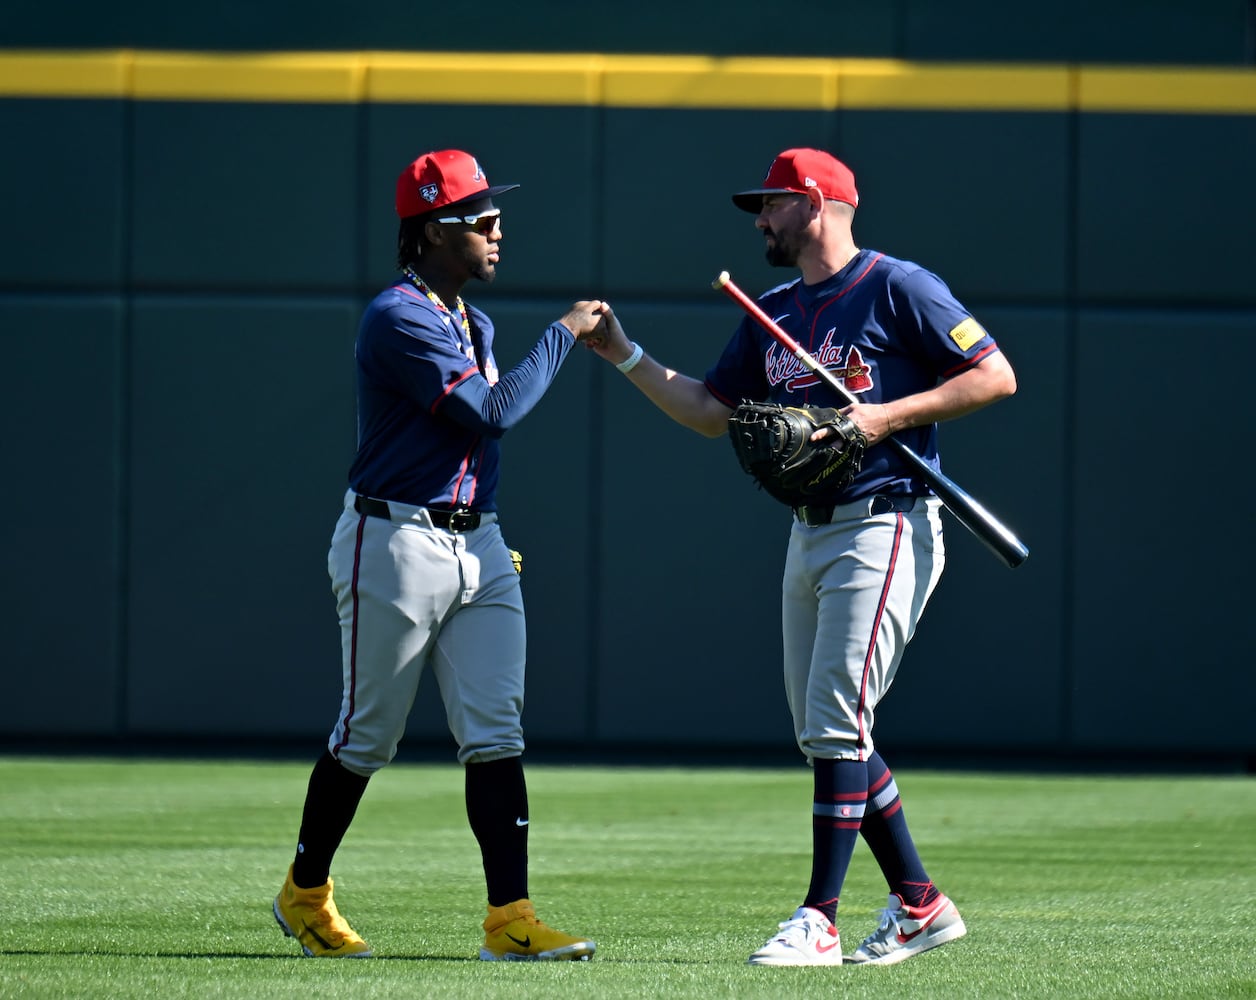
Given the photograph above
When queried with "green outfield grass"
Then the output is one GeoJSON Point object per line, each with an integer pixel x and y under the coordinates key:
{"type": "Point", "coordinates": [128, 878]}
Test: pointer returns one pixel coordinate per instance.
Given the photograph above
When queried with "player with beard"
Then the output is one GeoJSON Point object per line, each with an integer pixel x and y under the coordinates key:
{"type": "Point", "coordinates": [421, 573]}
{"type": "Point", "coordinates": [863, 560]}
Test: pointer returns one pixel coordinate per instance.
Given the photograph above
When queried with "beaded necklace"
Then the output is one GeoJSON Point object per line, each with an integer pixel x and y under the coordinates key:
{"type": "Point", "coordinates": [435, 299]}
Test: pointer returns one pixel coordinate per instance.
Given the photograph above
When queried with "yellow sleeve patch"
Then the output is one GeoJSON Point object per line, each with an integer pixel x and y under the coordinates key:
{"type": "Point", "coordinates": [967, 333]}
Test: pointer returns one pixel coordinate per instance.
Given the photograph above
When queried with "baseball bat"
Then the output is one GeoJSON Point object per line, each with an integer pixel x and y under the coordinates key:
{"type": "Point", "coordinates": [972, 515]}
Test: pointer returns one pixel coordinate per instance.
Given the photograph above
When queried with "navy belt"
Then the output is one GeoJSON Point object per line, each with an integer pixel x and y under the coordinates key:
{"type": "Point", "coordinates": [449, 520]}
{"type": "Point", "coordinates": [814, 516]}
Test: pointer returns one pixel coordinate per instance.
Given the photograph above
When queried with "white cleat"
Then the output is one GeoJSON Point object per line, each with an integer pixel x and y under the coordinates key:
{"type": "Point", "coordinates": [806, 938]}
{"type": "Point", "coordinates": [908, 930]}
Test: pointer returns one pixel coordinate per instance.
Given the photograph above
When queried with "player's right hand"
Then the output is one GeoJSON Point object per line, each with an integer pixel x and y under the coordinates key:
{"type": "Point", "coordinates": [583, 318]}
{"type": "Point", "coordinates": [610, 342]}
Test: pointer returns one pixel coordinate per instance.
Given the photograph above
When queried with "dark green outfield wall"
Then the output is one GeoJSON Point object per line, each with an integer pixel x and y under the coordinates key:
{"type": "Point", "coordinates": [1203, 32]}
{"type": "Point", "coordinates": [179, 289]}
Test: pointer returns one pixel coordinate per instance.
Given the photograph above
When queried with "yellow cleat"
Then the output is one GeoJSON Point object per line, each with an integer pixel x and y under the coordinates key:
{"type": "Point", "coordinates": [512, 933]}
{"type": "Point", "coordinates": [310, 916]}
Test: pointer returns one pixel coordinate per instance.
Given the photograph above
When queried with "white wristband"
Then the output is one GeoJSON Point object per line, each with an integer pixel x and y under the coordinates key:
{"type": "Point", "coordinates": [633, 359]}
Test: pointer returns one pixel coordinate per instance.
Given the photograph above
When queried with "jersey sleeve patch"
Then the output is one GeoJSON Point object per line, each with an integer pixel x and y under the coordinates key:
{"type": "Point", "coordinates": [967, 333]}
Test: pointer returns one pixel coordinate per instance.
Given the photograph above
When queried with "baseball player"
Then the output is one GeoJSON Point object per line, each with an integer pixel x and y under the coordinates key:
{"type": "Point", "coordinates": [861, 562]}
{"type": "Point", "coordinates": [421, 574]}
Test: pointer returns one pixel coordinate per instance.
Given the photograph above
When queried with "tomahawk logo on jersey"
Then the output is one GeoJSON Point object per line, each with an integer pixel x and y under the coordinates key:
{"type": "Point", "coordinates": [781, 367]}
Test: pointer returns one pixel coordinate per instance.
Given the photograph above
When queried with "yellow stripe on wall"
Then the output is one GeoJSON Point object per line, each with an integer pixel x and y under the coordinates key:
{"type": "Point", "coordinates": [725, 82]}
{"type": "Point", "coordinates": [1179, 90]}
{"type": "Point", "coordinates": [64, 74]}
{"type": "Point", "coordinates": [483, 78]}
{"type": "Point", "coordinates": [280, 77]}
{"type": "Point", "coordinates": [645, 81]}
{"type": "Point", "coordinates": [870, 83]}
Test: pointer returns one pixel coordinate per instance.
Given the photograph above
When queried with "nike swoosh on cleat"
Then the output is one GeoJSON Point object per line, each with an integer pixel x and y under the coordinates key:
{"type": "Point", "coordinates": [521, 822]}
{"type": "Point", "coordinates": [324, 943]}
{"type": "Point", "coordinates": [904, 938]}
{"type": "Point", "coordinates": [525, 943]}
{"type": "Point", "coordinates": [822, 948]}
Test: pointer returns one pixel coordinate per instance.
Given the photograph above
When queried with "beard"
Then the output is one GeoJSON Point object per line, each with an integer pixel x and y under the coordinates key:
{"type": "Point", "coordinates": [780, 253]}
{"type": "Point", "coordinates": [478, 266]}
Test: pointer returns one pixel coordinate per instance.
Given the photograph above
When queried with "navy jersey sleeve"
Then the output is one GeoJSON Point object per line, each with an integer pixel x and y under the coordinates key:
{"type": "Point", "coordinates": [492, 409]}
{"type": "Point", "coordinates": [743, 370]}
{"type": "Point", "coordinates": [739, 373]}
{"type": "Point", "coordinates": [411, 349]}
{"type": "Point", "coordinates": [945, 331]}
{"type": "Point", "coordinates": [415, 347]}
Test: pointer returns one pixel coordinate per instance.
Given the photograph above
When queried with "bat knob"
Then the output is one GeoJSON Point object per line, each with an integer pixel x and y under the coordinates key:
{"type": "Point", "coordinates": [720, 281]}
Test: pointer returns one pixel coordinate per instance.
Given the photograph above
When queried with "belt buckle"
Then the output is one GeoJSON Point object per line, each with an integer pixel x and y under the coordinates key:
{"type": "Point", "coordinates": [882, 504]}
{"type": "Point", "coordinates": [461, 520]}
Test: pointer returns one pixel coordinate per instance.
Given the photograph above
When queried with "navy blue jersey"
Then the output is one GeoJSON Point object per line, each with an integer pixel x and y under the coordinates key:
{"type": "Point", "coordinates": [431, 408]}
{"type": "Point", "coordinates": [886, 328]}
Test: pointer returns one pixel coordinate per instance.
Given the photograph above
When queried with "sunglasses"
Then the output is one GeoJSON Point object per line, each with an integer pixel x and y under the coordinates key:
{"type": "Point", "coordinates": [483, 222]}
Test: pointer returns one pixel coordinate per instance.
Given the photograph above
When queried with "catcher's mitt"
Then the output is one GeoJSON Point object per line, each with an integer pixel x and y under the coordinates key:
{"type": "Point", "coordinates": [773, 444]}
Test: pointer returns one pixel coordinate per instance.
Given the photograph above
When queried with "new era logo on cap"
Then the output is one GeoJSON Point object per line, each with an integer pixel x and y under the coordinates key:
{"type": "Point", "coordinates": [440, 179]}
{"type": "Point", "coordinates": [796, 170]}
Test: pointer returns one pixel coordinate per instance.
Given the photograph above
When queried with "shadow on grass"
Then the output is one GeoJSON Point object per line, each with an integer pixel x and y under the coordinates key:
{"type": "Point", "coordinates": [267, 956]}
{"type": "Point", "coordinates": [103, 953]}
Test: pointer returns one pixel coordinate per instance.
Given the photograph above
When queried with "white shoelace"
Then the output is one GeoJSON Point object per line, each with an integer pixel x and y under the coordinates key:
{"type": "Point", "coordinates": [805, 927]}
{"type": "Point", "coordinates": [889, 921]}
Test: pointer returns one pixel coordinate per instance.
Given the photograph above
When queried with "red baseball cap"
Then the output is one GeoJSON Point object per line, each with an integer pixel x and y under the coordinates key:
{"type": "Point", "coordinates": [796, 170]}
{"type": "Point", "coordinates": [440, 179]}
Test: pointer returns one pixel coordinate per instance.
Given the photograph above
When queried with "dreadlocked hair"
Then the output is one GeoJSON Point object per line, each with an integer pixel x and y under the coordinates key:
{"type": "Point", "coordinates": [411, 239]}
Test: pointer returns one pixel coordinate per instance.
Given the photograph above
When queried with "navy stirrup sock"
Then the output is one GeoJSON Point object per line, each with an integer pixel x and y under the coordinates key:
{"type": "Point", "coordinates": [885, 831]}
{"type": "Point", "coordinates": [841, 789]}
